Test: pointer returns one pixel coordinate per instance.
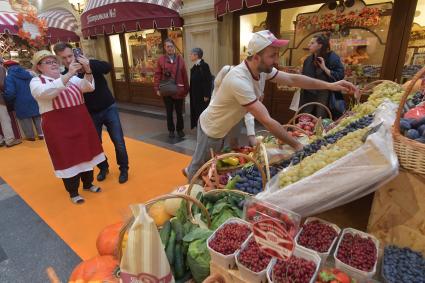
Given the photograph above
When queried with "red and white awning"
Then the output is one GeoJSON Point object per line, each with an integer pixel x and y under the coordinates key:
{"type": "Point", "coordinates": [222, 7]}
{"type": "Point", "coordinates": [8, 22]}
{"type": "Point", "coordinates": [116, 16]}
{"type": "Point", "coordinates": [62, 25]}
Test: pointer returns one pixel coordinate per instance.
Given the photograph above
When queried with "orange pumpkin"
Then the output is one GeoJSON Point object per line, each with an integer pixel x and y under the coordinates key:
{"type": "Point", "coordinates": [97, 269]}
{"type": "Point", "coordinates": [107, 241]}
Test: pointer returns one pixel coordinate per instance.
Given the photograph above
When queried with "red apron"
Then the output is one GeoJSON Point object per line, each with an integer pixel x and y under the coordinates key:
{"type": "Point", "coordinates": [68, 129]}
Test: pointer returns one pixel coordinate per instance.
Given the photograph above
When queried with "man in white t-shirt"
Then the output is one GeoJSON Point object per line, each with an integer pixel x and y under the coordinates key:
{"type": "Point", "coordinates": [239, 93]}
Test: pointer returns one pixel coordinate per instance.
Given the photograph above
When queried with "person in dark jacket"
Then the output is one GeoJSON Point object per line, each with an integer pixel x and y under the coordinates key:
{"type": "Point", "coordinates": [172, 66]}
{"type": "Point", "coordinates": [200, 86]}
{"type": "Point", "coordinates": [17, 90]}
{"type": "Point", "coordinates": [102, 108]}
{"type": "Point", "coordinates": [325, 65]}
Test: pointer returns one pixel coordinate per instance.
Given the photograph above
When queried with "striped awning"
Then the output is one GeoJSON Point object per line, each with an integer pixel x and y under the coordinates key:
{"type": "Point", "coordinates": [228, 6]}
{"type": "Point", "coordinates": [62, 25]}
{"type": "Point", "coordinates": [117, 16]}
{"type": "Point", "coordinates": [8, 22]}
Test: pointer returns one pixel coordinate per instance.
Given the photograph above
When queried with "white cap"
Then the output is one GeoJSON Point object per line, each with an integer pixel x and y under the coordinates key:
{"type": "Point", "coordinates": [262, 39]}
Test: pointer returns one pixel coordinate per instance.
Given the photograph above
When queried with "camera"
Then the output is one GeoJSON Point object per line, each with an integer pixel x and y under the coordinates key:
{"type": "Point", "coordinates": [77, 52]}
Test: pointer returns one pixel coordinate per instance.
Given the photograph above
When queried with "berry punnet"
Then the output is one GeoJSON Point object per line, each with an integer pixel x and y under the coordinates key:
{"type": "Point", "coordinates": [357, 252]}
{"type": "Point", "coordinates": [229, 238]}
{"type": "Point", "coordinates": [293, 270]}
{"type": "Point", "coordinates": [317, 236]}
{"type": "Point", "coordinates": [253, 258]}
{"type": "Point", "coordinates": [403, 265]}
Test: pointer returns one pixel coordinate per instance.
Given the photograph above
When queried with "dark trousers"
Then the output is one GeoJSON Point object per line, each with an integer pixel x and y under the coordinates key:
{"type": "Point", "coordinates": [170, 105]}
{"type": "Point", "coordinates": [72, 184]}
{"type": "Point", "coordinates": [111, 119]}
{"type": "Point", "coordinates": [321, 96]}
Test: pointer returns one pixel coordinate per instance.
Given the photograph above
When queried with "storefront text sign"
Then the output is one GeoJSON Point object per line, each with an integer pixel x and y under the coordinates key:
{"type": "Point", "coordinates": [112, 13]}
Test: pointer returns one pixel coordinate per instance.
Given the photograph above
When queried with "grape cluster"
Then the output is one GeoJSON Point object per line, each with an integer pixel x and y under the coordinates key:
{"type": "Point", "coordinates": [317, 236]}
{"type": "Point", "coordinates": [417, 98]}
{"type": "Point", "coordinates": [357, 252]}
{"type": "Point", "coordinates": [315, 146]}
{"type": "Point", "coordinates": [293, 270]}
{"type": "Point", "coordinates": [251, 180]}
{"type": "Point", "coordinates": [253, 258]}
{"type": "Point", "coordinates": [403, 265]}
{"type": "Point", "coordinates": [229, 238]}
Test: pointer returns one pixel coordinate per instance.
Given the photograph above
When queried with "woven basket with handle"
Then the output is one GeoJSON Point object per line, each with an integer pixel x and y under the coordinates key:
{"type": "Point", "coordinates": [411, 154]}
{"type": "Point", "coordinates": [212, 177]}
{"type": "Point", "coordinates": [299, 113]}
{"type": "Point", "coordinates": [190, 201]}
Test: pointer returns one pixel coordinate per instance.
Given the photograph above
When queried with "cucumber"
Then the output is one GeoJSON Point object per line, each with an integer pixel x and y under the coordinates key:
{"type": "Point", "coordinates": [169, 250]}
{"type": "Point", "coordinates": [179, 265]}
{"type": "Point", "coordinates": [165, 233]}
{"type": "Point", "coordinates": [178, 229]}
{"type": "Point", "coordinates": [186, 277]}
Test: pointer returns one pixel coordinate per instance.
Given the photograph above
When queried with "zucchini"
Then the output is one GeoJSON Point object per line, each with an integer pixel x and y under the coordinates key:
{"type": "Point", "coordinates": [179, 266]}
{"type": "Point", "coordinates": [178, 229]}
{"type": "Point", "coordinates": [165, 233]}
{"type": "Point", "coordinates": [169, 250]}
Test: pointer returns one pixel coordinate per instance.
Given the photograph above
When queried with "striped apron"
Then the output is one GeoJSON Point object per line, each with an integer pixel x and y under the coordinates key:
{"type": "Point", "coordinates": [69, 133]}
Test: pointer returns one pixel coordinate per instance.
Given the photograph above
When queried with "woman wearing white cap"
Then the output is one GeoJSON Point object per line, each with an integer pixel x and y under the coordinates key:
{"type": "Point", "coordinates": [70, 136]}
{"type": "Point", "coordinates": [239, 93]}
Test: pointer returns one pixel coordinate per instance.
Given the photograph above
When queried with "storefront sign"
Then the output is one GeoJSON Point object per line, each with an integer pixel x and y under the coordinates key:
{"type": "Point", "coordinates": [112, 13]}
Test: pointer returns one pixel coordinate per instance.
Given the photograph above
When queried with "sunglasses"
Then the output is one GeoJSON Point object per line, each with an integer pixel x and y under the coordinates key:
{"type": "Point", "coordinates": [53, 62]}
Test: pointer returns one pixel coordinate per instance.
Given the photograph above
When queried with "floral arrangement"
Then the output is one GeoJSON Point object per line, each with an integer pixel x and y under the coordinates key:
{"type": "Point", "coordinates": [366, 17]}
{"type": "Point", "coordinates": [31, 18]}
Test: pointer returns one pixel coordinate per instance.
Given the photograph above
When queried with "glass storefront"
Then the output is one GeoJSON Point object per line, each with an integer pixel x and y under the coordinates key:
{"type": "Point", "coordinates": [139, 61]}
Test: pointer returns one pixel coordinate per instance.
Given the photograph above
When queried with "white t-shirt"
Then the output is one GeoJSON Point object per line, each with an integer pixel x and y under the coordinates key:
{"type": "Point", "coordinates": [239, 88]}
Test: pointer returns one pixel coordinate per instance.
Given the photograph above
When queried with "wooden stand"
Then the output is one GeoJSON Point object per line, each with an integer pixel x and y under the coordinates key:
{"type": "Point", "coordinates": [398, 212]}
{"type": "Point", "coordinates": [230, 275]}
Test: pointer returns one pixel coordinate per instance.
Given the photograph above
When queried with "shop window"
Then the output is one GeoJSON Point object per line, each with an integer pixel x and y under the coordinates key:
{"type": "Point", "coordinates": [117, 60]}
{"type": "Point", "coordinates": [415, 56]}
{"type": "Point", "coordinates": [177, 36]}
{"type": "Point", "coordinates": [143, 49]}
{"type": "Point", "coordinates": [358, 35]}
{"type": "Point", "coordinates": [248, 25]}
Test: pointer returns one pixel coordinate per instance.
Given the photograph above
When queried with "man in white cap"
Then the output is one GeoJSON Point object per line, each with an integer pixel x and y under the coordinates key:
{"type": "Point", "coordinates": [239, 93]}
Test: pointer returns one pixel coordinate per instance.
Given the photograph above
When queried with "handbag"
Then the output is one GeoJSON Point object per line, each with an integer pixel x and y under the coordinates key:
{"type": "Point", "coordinates": [168, 87]}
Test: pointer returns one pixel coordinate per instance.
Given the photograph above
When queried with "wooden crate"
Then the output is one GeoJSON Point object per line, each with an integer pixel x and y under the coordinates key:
{"type": "Point", "coordinates": [398, 212]}
{"type": "Point", "coordinates": [230, 275]}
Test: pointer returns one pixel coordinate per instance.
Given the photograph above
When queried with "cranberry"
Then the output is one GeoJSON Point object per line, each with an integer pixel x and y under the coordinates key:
{"type": "Point", "coordinates": [317, 236]}
{"type": "Point", "coordinates": [253, 258]}
{"type": "Point", "coordinates": [357, 252]}
{"type": "Point", "coordinates": [295, 269]}
{"type": "Point", "coordinates": [229, 238]}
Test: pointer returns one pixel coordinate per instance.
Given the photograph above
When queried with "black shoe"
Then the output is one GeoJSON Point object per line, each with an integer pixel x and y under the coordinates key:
{"type": "Point", "coordinates": [171, 135]}
{"type": "Point", "coordinates": [180, 134]}
{"type": "Point", "coordinates": [102, 174]}
{"type": "Point", "coordinates": [123, 177]}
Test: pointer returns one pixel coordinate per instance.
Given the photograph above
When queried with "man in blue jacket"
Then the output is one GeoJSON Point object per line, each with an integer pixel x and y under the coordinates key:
{"type": "Point", "coordinates": [17, 91]}
{"type": "Point", "coordinates": [102, 108]}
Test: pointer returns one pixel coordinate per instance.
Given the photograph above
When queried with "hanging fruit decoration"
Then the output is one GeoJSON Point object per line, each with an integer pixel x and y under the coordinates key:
{"type": "Point", "coordinates": [32, 29]}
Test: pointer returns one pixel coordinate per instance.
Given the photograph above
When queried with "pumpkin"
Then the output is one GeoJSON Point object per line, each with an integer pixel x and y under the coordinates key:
{"type": "Point", "coordinates": [107, 241]}
{"type": "Point", "coordinates": [158, 213]}
{"type": "Point", "coordinates": [173, 204]}
{"type": "Point", "coordinates": [98, 269]}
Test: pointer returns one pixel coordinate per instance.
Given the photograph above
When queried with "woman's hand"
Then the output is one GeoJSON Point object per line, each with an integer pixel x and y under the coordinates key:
{"type": "Point", "coordinates": [321, 63]}
{"type": "Point", "coordinates": [74, 67]}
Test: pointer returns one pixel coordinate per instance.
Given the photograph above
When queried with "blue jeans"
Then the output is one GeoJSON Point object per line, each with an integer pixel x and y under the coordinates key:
{"type": "Point", "coordinates": [110, 118]}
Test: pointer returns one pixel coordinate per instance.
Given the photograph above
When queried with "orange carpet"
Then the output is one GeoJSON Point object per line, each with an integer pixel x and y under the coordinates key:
{"type": "Point", "coordinates": [28, 170]}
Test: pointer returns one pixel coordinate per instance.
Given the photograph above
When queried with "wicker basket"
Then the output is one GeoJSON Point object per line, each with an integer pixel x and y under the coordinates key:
{"type": "Point", "coordinates": [214, 181]}
{"type": "Point", "coordinates": [299, 113]}
{"type": "Point", "coordinates": [411, 154]}
{"type": "Point", "coordinates": [368, 88]}
{"type": "Point", "coordinates": [190, 201]}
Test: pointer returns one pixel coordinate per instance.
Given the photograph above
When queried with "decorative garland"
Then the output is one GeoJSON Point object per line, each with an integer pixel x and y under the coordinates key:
{"type": "Point", "coordinates": [366, 17]}
{"type": "Point", "coordinates": [39, 40]}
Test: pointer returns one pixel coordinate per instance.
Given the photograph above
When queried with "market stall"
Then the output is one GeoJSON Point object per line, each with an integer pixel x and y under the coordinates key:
{"type": "Point", "coordinates": [134, 33]}
{"type": "Point", "coordinates": [61, 24]}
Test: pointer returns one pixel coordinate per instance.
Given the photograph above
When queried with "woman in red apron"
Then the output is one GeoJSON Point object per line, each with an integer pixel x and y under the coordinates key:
{"type": "Point", "coordinates": [70, 136]}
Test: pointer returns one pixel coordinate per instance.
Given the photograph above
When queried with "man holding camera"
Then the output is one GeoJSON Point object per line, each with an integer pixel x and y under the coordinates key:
{"type": "Point", "coordinates": [101, 106]}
